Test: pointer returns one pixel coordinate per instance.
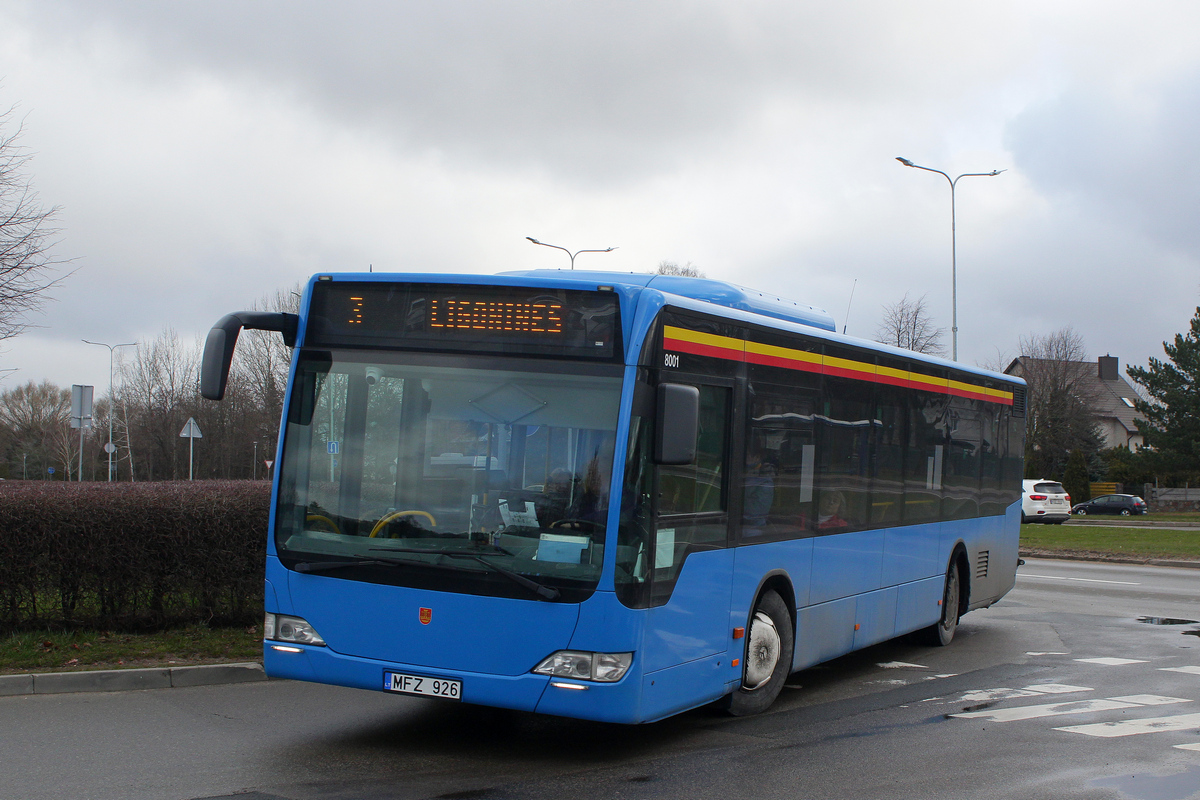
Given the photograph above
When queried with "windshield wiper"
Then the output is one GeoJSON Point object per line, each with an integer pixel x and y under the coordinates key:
{"type": "Point", "coordinates": [546, 592]}
{"type": "Point", "coordinates": [322, 566]}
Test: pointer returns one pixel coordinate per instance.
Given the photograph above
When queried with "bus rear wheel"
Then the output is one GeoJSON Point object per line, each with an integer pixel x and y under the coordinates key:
{"type": "Point", "coordinates": [770, 642]}
{"type": "Point", "coordinates": [942, 633]}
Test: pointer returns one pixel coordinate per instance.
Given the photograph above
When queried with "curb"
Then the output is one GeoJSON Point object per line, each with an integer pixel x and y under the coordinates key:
{"type": "Point", "coordinates": [124, 680]}
{"type": "Point", "coordinates": [1152, 562]}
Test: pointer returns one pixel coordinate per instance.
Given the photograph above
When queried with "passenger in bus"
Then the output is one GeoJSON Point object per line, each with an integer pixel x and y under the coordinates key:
{"type": "Point", "coordinates": [831, 511]}
{"type": "Point", "coordinates": [759, 492]}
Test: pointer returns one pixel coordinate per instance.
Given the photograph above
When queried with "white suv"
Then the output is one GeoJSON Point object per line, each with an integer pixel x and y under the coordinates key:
{"type": "Point", "coordinates": [1044, 501]}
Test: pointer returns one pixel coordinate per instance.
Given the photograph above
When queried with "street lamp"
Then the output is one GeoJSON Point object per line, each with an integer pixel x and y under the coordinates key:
{"type": "Point", "coordinates": [568, 252]}
{"type": "Point", "coordinates": [953, 246]}
{"type": "Point", "coordinates": [109, 448]}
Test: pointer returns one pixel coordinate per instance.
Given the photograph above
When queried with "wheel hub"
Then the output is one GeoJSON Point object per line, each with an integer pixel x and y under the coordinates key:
{"type": "Point", "coordinates": [762, 651]}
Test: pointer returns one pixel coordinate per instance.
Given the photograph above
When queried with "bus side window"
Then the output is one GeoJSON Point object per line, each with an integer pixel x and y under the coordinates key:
{"type": "Point", "coordinates": [777, 482]}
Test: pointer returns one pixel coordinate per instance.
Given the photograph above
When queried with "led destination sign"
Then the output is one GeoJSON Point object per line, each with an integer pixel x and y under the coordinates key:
{"type": "Point", "coordinates": [498, 319]}
{"type": "Point", "coordinates": [493, 315]}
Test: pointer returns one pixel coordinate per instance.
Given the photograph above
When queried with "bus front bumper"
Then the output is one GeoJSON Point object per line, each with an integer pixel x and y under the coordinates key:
{"type": "Point", "coordinates": [603, 702]}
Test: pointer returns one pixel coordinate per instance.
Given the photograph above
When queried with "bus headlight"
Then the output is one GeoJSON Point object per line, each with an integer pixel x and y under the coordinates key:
{"type": "Point", "coordinates": [282, 628]}
{"type": "Point", "coordinates": [584, 666]}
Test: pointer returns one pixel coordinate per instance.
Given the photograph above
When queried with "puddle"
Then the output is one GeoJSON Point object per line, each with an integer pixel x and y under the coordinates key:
{"type": "Point", "coordinates": [1155, 787]}
{"type": "Point", "coordinates": [1165, 621]}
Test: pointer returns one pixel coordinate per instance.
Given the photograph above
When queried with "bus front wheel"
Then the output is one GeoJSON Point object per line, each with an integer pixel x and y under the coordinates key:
{"type": "Point", "coordinates": [768, 658]}
{"type": "Point", "coordinates": [942, 633]}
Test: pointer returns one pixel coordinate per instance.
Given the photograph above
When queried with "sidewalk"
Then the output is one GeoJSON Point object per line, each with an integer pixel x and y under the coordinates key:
{"type": "Point", "coordinates": [123, 680]}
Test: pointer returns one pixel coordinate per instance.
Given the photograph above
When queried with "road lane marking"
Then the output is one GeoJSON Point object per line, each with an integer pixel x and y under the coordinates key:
{"type": "Point", "coordinates": [1195, 746]}
{"type": "Point", "coordinates": [1074, 707]}
{"type": "Point", "coordinates": [1112, 662]}
{"type": "Point", "coordinates": [1081, 580]}
{"type": "Point", "coordinates": [1046, 653]}
{"type": "Point", "coordinates": [1184, 670]}
{"type": "Point", "coordinates": [1057, 688]}
{"type": "Point", "coordinates": [1133, 727]}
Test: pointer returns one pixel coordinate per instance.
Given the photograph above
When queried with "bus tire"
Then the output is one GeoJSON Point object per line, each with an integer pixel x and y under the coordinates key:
{"type": "Point", "coordinates": [942, 633]}
{"type": "Point", "coordinates": [767, 660]}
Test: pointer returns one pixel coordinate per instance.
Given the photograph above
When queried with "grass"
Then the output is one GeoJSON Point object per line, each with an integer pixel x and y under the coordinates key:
{"type": "Point", "coordinates": [1112, 541]}
{"type": "Point", "coordinates": [44, 651]}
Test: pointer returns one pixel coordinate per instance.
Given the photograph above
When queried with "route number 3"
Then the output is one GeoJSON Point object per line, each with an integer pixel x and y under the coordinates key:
{"type": "Point", "coordinates": [670, 360]}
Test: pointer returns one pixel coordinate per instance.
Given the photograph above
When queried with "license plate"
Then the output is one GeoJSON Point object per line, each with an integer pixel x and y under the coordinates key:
{"type": "Point", "coordinates": [1054, 501]}
{"type": "Point", "coordinates": [422, 685]}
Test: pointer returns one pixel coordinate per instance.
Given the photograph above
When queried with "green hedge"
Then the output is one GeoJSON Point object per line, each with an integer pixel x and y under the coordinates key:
{"type": "Point", "coordinates": [131, 555]}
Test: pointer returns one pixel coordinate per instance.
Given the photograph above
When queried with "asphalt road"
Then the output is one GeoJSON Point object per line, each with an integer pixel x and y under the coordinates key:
{"type": "Point", "coordinates": [1057, 691]}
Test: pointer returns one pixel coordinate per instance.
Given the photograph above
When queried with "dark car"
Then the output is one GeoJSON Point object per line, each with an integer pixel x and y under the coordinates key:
{"type": "Point", "coordinates": [1123, 504]}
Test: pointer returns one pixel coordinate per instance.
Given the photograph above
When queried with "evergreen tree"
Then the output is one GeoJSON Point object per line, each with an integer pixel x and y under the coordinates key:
{"type": "Point", "coordinates": [1172, 424]}
{"type": "Point", "coordinates": [1075, 477]}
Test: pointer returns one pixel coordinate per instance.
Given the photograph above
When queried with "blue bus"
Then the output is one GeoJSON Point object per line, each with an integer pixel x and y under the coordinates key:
{"type": "Point", "coordinates": [615, 496]}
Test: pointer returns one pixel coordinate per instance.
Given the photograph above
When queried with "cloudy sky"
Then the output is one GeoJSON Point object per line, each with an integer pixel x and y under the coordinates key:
{"type": "Point", "coordinates": [207, 154]}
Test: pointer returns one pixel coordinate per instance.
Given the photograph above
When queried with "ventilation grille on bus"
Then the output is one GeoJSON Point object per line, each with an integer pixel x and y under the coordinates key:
{"type": "Point", "coordinates": [981, 564]}
{"type": "Point", "coordinates": [1018, 409]}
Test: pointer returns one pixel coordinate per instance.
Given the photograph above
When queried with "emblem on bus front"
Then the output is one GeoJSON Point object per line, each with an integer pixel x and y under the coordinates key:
{"type": "Point", "coordinates": [426, 615]}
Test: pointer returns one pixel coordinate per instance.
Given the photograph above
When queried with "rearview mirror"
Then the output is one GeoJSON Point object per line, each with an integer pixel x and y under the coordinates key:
{"type": "Point", "coordinates": [218, 347]}
{"type": "Point", "coordinates": [678, 419]}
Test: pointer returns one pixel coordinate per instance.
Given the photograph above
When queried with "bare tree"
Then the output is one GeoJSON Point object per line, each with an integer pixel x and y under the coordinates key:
{"type": "Point", "coordinates": [688, 270]}
{"type": "Point", "coordinates": [1060, 401]}
{"type": "Point", "coordinates": [907, 324]}
{"type": "Point", "coordinates": [26, 235]}
{"type": "Point", "coordinates": [158, 385]}
{"type": "Point", "coordinates": [36, 428]}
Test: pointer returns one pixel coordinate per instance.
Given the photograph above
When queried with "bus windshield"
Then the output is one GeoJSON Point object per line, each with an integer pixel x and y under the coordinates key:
{"type": "Point", "coordinates": [443, 474]}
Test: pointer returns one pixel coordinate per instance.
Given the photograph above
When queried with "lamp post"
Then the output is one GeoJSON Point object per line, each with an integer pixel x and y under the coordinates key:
{"type": "Point", "coordinates": [109, 448]}
{"type": "Point", "coordinates": [953, 245]}
{"type": "Point", "coordinates": [568, 252]}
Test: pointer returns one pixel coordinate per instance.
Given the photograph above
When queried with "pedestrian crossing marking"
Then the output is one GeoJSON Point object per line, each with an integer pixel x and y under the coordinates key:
{"type": "Point", "coordinates": [1037, 690]}
{"type": "Point", "coordinates": [1072, 707]}
{"type": "Point", "coordinates": [1185, 670]}
{"type": "Point", "coordinates": [1057, 688]}
{"type": "Point", "coordinates": [1149, 700]}
{"type": "Point", "coordinates": [1133, 727]}
{"type": "Point", "coordinates": [1112, 662]}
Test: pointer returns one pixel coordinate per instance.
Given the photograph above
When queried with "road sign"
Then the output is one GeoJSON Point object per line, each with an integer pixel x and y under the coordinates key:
{"type": "Point", "coordinates": [110, 448]}
{"type": "Point", "coordinates": [191, 432]}
{"type": "Point", "coordinates": [332, 447]}
{"type": "Point", "coordinates": [81, 406]}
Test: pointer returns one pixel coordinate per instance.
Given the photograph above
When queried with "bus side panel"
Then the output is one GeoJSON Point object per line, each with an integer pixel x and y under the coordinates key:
{"type": "Point", "coordinates": [675, 689]}
{"type": "Point", "coordinates": [993, 557]}
{"type": "Point", "coordinates": [875, 617]}
{"type": "Point", "coordinates": [792, 559]}
{"type": "Point", "coordinates": [918, 604]}
{"type": "Point", "coordinates": [693, 623]}
{"type": "Point", "coordinates": [911, 554]}
{"type": "Point", "coordinates": [846, 564]}
{"type": "Point", "coordinates": [825, 631]}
